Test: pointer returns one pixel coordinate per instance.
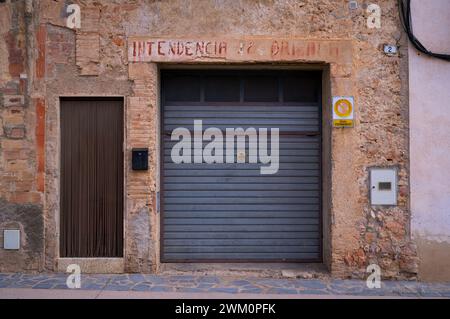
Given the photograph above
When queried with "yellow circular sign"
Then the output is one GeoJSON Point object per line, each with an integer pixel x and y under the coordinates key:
{"type": "Point", "coordinates": [343, 108]}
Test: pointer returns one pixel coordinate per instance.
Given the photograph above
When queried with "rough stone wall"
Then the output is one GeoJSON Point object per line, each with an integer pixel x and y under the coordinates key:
{"type": "Point", "coordinates": [383, 234]}
{"type": "Point", "coordinates": [93, 61]}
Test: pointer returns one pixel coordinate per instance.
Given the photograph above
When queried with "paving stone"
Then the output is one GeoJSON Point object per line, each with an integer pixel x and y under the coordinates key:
{"type": "Point", "coordinates": [286, 283]}
{"type": "Point", "coordinates": [155, 279]}
{"type": "Point", "coordinates": [314, 284]}
{"type": "Point", "coordinates": [225, 290]}
{"type": "Point", "coordinates": [443, 288]}
{"type": "Point", "coordinates": [98, 278]}
{"type": "Point", "coordinates": [185, 284]}
{"type": "Point", "coordinates": [282, 291]}
{"type": "Point", "coordinates": [24, 283]}
{"type": "Point", "coordinates": [161, 289]}
{"type": "Point", "coordinates": [205, 285]}
{"type": "Point", "coordinates": [112, 287]}
{"type": "Point", "coordinates": [251, 291]}
{"type": "Point", "coordinates": [121, 281]}
{"type": "Point", "coordinates": [344, 288]}
{"type": "Point", "coordinates": [250, 286]}
{"type": "Point", "coordinates": [182, 278]}
{"type": "Point", "coordinates": [136, 278]}
{"type": "Point", "coordinates": [120, 278]}
{"type": "Point", "coordinates": [389, 284]}
{"type": "Point", "coordinates": [34, 277]}
{"type": "Point", "coordinates": [208, 279]}
{"type": "Point", "coordinates": [240, 283]}
{"type": "Point", "coordinates": [142, 287]}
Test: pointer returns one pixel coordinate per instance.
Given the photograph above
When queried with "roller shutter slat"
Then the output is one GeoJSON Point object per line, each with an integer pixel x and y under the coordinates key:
{"type": "Point", "coordinates": [245, 228]}
{"type": "Point", "coordinates": [208, 235]}
{"type": "Point", "coordinates": [241, 242]}
{"type": "Point", "coordinates": [242, 214]}
{"type": "Point", "coordinates": [264, 256]}
{"type": "Point", "coordinates": [273, 207]}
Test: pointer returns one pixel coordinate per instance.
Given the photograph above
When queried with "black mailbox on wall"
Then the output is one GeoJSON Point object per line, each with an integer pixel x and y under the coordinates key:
{"type": "Point", "coordinates": [140, 159]}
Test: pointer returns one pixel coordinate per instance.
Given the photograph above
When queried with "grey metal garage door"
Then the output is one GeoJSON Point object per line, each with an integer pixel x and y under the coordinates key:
{"type": "Point", "coordinates": [226, 212]}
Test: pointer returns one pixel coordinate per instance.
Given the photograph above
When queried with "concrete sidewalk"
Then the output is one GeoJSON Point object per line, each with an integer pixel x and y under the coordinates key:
{"type": "Point", "coordinates": [209, 287]}
{"type": "Point", "coordinates": [11, 293]}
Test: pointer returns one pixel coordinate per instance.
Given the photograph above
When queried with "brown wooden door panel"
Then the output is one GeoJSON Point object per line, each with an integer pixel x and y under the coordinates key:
{"type": "Point", "coordinates": [91, 178]}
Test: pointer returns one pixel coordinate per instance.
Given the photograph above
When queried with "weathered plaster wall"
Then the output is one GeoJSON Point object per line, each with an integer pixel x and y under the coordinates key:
{"type": "Point", "coordinates": [430, 143]}
{"type": "Point", "coordinates": [93, 61]}
{"type": "Point", "coordinates": [21, 127]}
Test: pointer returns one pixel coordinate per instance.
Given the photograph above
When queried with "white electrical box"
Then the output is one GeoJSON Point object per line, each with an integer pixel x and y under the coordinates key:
{"type": "Point", "coordinates": [11, 239]}
{"type": "Point", "coordinates": [383, 186]}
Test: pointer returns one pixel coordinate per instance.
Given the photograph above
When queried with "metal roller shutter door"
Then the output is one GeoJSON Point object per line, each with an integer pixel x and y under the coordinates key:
{"type": "Point", "coordinates": [230, 212]}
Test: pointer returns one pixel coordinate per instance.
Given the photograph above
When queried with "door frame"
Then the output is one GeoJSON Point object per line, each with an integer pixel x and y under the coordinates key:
{"type": "Point", "coordinates": [323, 193]}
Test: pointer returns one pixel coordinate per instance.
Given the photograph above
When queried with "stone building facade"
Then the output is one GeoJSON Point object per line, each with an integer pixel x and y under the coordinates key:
{"type": "Point", "coordinates": [42, 59]}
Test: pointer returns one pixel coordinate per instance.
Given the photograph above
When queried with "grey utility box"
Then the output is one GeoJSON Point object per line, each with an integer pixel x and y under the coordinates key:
{"type": "Point", "coordinates": [11, 239]}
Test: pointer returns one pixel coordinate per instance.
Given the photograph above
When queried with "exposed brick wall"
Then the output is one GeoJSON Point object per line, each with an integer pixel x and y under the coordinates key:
{"type": "Point", "coordinates": [17, 141]}
{"type": "Point", "coordinates": [21, 198]}
{"type": "Point", "coordinates": [41, 36]}
{"type": "Point", "coordinates": [40, 144]}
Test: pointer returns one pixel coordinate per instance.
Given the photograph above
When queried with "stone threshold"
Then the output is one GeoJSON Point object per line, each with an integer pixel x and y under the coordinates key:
{"type": "Point", "coordinates": [93, 265]}
{"type": "Point", "coordinates": [263, 270]}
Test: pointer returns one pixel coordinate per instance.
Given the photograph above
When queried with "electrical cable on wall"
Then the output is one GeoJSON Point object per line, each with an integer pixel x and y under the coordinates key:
{"type": "Point", "coordinates": [406, 19]}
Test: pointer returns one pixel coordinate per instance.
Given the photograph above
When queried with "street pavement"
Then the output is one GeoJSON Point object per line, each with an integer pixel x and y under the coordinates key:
{"type": "Point", "coordinates": [197, 286]}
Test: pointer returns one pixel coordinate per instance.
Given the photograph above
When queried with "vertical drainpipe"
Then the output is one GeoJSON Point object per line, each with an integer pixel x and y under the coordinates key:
{"type": "Point", "coordinates": [29, 27]}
